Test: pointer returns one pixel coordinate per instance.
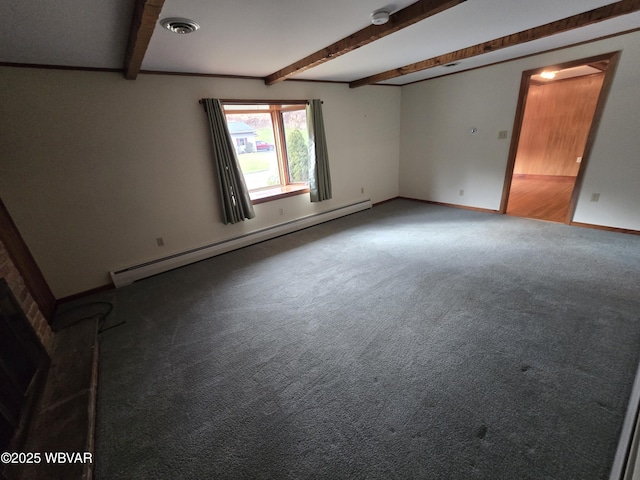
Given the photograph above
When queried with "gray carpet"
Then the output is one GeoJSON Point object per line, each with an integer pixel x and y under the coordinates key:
{"type": "Point", "coordinates": [409, 341]}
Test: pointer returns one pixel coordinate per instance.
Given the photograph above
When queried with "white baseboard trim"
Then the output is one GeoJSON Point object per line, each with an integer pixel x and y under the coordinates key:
{"type": "Point", "coordinates": [128, 275]}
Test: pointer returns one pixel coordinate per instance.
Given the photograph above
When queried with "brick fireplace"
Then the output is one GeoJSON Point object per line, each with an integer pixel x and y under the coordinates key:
{"type": "Point", "coordinates": [26, 346]}
{"type": "Point", "coordinates": [28, 305]}
{"type": "Point", "coordinates": [48, 381]}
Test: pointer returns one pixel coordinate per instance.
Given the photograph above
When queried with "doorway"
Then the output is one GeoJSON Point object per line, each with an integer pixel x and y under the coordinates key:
{"type": "Point", "coordinates": [557, 115]}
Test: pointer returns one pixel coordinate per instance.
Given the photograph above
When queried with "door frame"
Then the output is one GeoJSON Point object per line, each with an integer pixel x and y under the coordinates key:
{"type": "Point", "coordinates": [613, 58]}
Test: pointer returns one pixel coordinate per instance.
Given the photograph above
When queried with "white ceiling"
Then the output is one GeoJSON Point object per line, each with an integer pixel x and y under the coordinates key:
{"type": "Point", "coordinates": [81, 33]}
{"type": "Point", "coordinates": [259, 37]}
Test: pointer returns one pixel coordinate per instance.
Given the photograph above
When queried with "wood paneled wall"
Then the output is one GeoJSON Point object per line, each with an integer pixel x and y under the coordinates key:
{"type": "Point", "coordinates": [555, 126]}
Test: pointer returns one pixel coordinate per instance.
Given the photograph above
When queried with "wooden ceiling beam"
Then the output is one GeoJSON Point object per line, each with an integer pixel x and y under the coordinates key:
{"type": "Point", "coordinates": [145, 16]}
{"type": "Point", "coordinates": [607, 12]}
{"type": "Point", "coordinates": [401, 19]}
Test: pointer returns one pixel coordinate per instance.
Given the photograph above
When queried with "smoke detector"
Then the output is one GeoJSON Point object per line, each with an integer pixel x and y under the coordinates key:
{"type": "Point", "coordinates": [180, 25]}
{"type": "Point", "coordinates": [380, 17]}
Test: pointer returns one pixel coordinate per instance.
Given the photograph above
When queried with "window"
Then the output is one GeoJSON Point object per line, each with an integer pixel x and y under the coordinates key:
{"type": "Point", "coordinates": [271, 141]}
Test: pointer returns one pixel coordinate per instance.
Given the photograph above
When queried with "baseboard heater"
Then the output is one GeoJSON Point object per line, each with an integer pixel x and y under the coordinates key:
{"type": "Point", "coordinates": [126, 276]}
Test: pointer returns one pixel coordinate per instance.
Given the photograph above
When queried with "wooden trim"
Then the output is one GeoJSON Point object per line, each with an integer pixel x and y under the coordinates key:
{"type": "Point", "coordinates": [452, 205]}
{"type": "Point", "coordinates": [59, 67]}
{"type": "Point", "coordinates": [343, 82]}
{"type": "Point", "coordinates": [386, 201]}
{"type": "Point", "coordinates": [605, 57]}
{"type": "Point", "coordinates": [606, 12]}
{"type": "Point", "coordinates": [286, 191]}
{"type": "Point", "coordinates": [85, 293]}
{"type": "Point", "coordinates": [246, 77]}
{"type": "Point", "coordinates": [561, 80]}
{"type": "Point", "coordinates": [602, 227]}
{"type": "Point", "coordinates": [595, 124]}
{"type": "Point", "coordinates": [602, 66]}
{"type": "Point", "coordinates": [160, 72]}
{"type": "Point", "coordinates": [577, 44]}
{"type": "Point", "coordinates": [406, 17]}
{"type": "Point", "coordinates": [236, 77]}
{"type": "Point", "coordinates": [263, 102]}
{"type": "Point", "coordinates": [274, 108]}
{"type": "Point", "coordinates": [515, 139]}
{"type": "Point", "coordinates": [485, 210]}
{"type": "Point", "coordinates": [145, 16]}
{"type": "Point", "coordinates": [23, 260]}
{"type": "Point", "coordinates": [519, 116]}
{"type": "Point", "coordinates": [281, 146]}
{"type": "Point", "coordinates": [232, 112]}
{"type": "Point", "coordinates": [197, 74]}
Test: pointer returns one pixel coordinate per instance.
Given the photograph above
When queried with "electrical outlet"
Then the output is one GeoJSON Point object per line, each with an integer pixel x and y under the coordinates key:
{"type": "Point", "coordinates": [282, 211]}
{"type": "Point", "coordinates": [160, 241]}
{"type": "Point", "coordinates": [502, 134]}
{"type": "Point", "coordinates": [595, 197]}
{"type": "Point", "coordinates": [362, 190]}
{"type": "Point", "coordinates": [461, 193]}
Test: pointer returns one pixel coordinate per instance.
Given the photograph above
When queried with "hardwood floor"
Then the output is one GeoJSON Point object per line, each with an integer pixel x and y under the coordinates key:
{"type": "Point", "coordinates": [544, 197]}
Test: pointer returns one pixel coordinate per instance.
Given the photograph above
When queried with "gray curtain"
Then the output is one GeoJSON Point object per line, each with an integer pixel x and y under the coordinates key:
{"type": "Point", "coordinates": [319, 175]}
{"type": "Point", "coordinates": [236, 203]}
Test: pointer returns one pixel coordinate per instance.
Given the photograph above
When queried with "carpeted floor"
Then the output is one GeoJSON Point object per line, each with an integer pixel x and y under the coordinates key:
{"type": "Point", "coordinates": [411, 341]}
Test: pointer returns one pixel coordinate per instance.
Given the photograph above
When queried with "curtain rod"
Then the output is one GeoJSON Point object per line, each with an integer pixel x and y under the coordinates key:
{"type": "Point", "coordinates": [262, 102]}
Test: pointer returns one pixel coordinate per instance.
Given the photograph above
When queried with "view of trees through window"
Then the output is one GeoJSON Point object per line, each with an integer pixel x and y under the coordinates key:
{"type": "Point", "coordinates": [271, 142]}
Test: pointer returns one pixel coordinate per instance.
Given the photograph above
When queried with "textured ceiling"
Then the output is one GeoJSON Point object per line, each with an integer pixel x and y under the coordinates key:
{"type": "Point", "coordinates": [259, 37]}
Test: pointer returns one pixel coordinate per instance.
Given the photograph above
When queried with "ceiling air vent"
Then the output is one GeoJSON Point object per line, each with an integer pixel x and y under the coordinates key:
{"type": "Point", "coordinates": [180, 25]}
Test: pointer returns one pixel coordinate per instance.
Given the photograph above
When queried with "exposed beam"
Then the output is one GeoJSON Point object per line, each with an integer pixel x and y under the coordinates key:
{"type": "Point", "coordinates": [566, 24]}
{"type": "Point", "coordinates": [145, 16]}
{"type": "Point", "coordinates": [401, 19]}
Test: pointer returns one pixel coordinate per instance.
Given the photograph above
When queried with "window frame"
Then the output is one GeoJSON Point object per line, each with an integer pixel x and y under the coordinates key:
{"type": "Point", "coordinates": [287, 188]}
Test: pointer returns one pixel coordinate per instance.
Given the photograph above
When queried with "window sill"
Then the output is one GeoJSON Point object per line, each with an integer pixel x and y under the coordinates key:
{"type": "Point", "coordinates": [262, 196]}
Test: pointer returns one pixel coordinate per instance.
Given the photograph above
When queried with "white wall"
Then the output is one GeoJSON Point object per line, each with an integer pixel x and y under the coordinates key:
{"type": "Point", "coordinates": [95, 167]}
{"type": "Point", "coordinates": [439, 157]}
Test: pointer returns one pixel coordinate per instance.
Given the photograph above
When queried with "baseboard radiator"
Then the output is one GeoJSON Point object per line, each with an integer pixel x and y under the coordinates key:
{"type": "Point", "coordinates": [126, 276]}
